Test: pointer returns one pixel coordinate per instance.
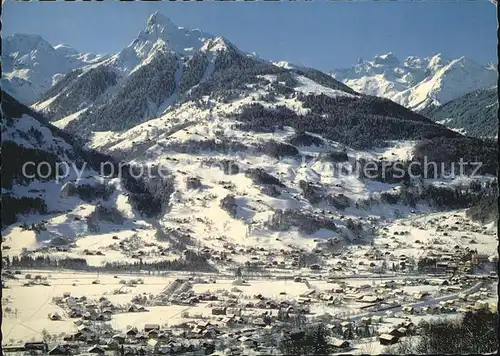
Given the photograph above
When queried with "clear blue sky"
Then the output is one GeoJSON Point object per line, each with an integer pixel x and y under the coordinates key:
{"type": "Point", "coordinates": [324, 35]}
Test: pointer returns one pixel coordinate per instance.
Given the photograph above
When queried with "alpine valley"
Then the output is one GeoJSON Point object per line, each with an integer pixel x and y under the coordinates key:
{"type": "Point", "coordinates": [255, 157]}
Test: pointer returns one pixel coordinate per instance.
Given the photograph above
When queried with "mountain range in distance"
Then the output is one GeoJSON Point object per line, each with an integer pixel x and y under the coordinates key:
{"type": "Point", "coordinates": [35, 72]}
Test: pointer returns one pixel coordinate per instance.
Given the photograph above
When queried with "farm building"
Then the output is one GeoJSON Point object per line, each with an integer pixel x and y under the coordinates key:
{"type": "Point", "coordinates": [387, 339]}
{"type": "Point", "coordinates": [96, 349]}
{"type": "Point", "coordinates": [219, 311]}
{"type": "Point", "coordinates": [341, 344]}
{"type": "Point", "coordinates": [58, 350]}
{"type": "Point", "coordinates": [151, 327]}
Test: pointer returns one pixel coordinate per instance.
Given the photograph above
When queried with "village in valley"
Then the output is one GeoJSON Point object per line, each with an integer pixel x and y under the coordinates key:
{"type": "Point", "coordinates": [179, 196]}
{"type": "Point", "coordinates": [369, 296]}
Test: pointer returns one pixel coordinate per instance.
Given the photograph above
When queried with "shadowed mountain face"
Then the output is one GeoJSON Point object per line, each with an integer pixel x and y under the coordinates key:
{"type": "Point", "coordinates": [474, 114]}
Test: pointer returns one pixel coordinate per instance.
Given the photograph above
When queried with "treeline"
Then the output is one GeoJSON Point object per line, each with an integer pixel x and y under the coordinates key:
{"type": "Point", "coordinates": [89, 193]}
{"type": "Point", "coordinates": [79, 87]}
{"type": "Point", "coordinates": [176, 239]}
{"type": "Point", "coordinates": [277, 149]}
{"type": "Point", "coordinates": [260, 177]}
{"type": "Point", "coordinates": [12, 206]}
{"type": "Point", "coordinates": [452, 151]}
{"type": "Point", "coordinates": [306, 222]}
{"type": "Point", "coordinates": [476, 333]}
{"type": "Point", "coordinates": [437, 196]}
{"type": "Point", "coordinates": [149, 196]}
{"type": "Point", "coordinates": [233, 71]}
{"type": "Point", "coordinates": [45, 261]}
{"type": "Point", "coordinates": [359, 122]}
{"type": "Point", "coordinates": [193, 71]}
{"type": "Point", "coordinates": [15, 156]}
{"type": "Point", "coordinates": [312, 192]}
{"type": "Point", "coordinates": [311, 340]}
{"type": "Point", "coordinates": [61, 84]}
{"type": "Point", "coordinates": [303, 139]}
{"type": "Point", "coordinates": [190, 262]}
{"type": "Point", "coordinates": [102, 213]}
{"type": "Point", "coordinates": [130, 105]}
{"type": "Point", "coordinates": [223, 145]}
{"type": "Point", "coordinates": [485, 210]}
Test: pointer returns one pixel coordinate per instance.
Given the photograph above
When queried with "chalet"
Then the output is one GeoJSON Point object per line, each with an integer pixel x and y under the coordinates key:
{"type": "Point", "coordinates": [141, 336]}
{"type": "Point", "coordinates": [162, 336]}
{"type": "Point", "coordinates": [205, 324]}
{"type": "Point", "coordinates": [398, 332]}
{"type": "Point", "coordinates": [150, 327]}
{"type": "Point", "coordinates": [422, 296]}
{"type": "Point", "coordinates": [209, 333]}
{"type": "Point", "coordinates": [88, 316]}
{"type": "Point", "coordinates": [132, 332]}
{"type": "Point", "coordinates": [54, 316]}
{"type": "Point", "coordinates": [84, 329]}
{"type": "Point", "coordinates": [341, 344]}
{"type": "Point", "coordinates": [36, 346]}
{"type": "Point", "coordinates": [96, 349]}
{"type": "Point", "coordinates": [79, 336]}
{"type": "Point", "coordinates": [480, 258]}
{"type": "Point", "coordinates": [408, 309]}
{"type": "Point", "coordinates": [271, 304]}
{"type": "Point", "coordinates": [152, 345]}
{"type": "Point", "coordinates": [408, 325]}
{"type": "Point", "coordinates": [369, 299]}
{"type": "Point", "coordinates": [248, 341]}
{"type": "Point", "coordinates": [120, 339]}
{"type": "Point", "coordinates": [132, 309]}
{"type": "Point", "coordinates": [308, 293]}
{"type": "Point", "coordinates": [59, 350]}
{"type": "Point", "coordinates": [219, 311]}
{"type": "Point", "coordinates": [261, 305]}
{"type": "Point", "coordinates": [102, 317]}
{"type": "Point", "coordinates": [387, 339]}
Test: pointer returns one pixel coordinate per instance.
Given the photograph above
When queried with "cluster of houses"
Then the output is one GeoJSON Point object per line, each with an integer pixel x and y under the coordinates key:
{"type": "Point", "coordinates": [150, 340]}
{"type": "Point", "coordinates": [85, 309]}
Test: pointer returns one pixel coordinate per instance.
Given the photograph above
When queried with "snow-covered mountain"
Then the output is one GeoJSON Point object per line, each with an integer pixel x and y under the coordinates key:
{"type": "Point", "coordinates": [474, 114]}
{"type": "Point", "coordinates": [167, 66]}
{"type": "Point", "coordinates": [252, 146]}
{"type": "Point", "coordinates": [31, 65]}
{"type": "Point", "coordinates": [418, 83]}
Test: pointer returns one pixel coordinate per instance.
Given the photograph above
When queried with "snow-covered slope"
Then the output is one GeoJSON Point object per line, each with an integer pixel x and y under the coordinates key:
{"type": "Point", "coordinates": [257, 154]}
{"type": "Point", "coordinates": [417, 83]}
{"type": "Point", "coordinates": [475, 114]}
{"type": "Point", "coordinates": [45, 171]}
{"type": "Point", "coordinates": [31, 65]}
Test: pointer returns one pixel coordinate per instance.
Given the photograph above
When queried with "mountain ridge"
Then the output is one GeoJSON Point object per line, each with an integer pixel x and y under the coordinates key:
{"type": "Point", "coordinates": [31, 65]}
{"type": "Point", "coordinates": [418, 83]}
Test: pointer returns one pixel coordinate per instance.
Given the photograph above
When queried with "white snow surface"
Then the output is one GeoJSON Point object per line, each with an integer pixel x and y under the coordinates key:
{"type": "Point", "coordinates": [29, 65]}
{"type": "Point", "coordinates": [417, 82]}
